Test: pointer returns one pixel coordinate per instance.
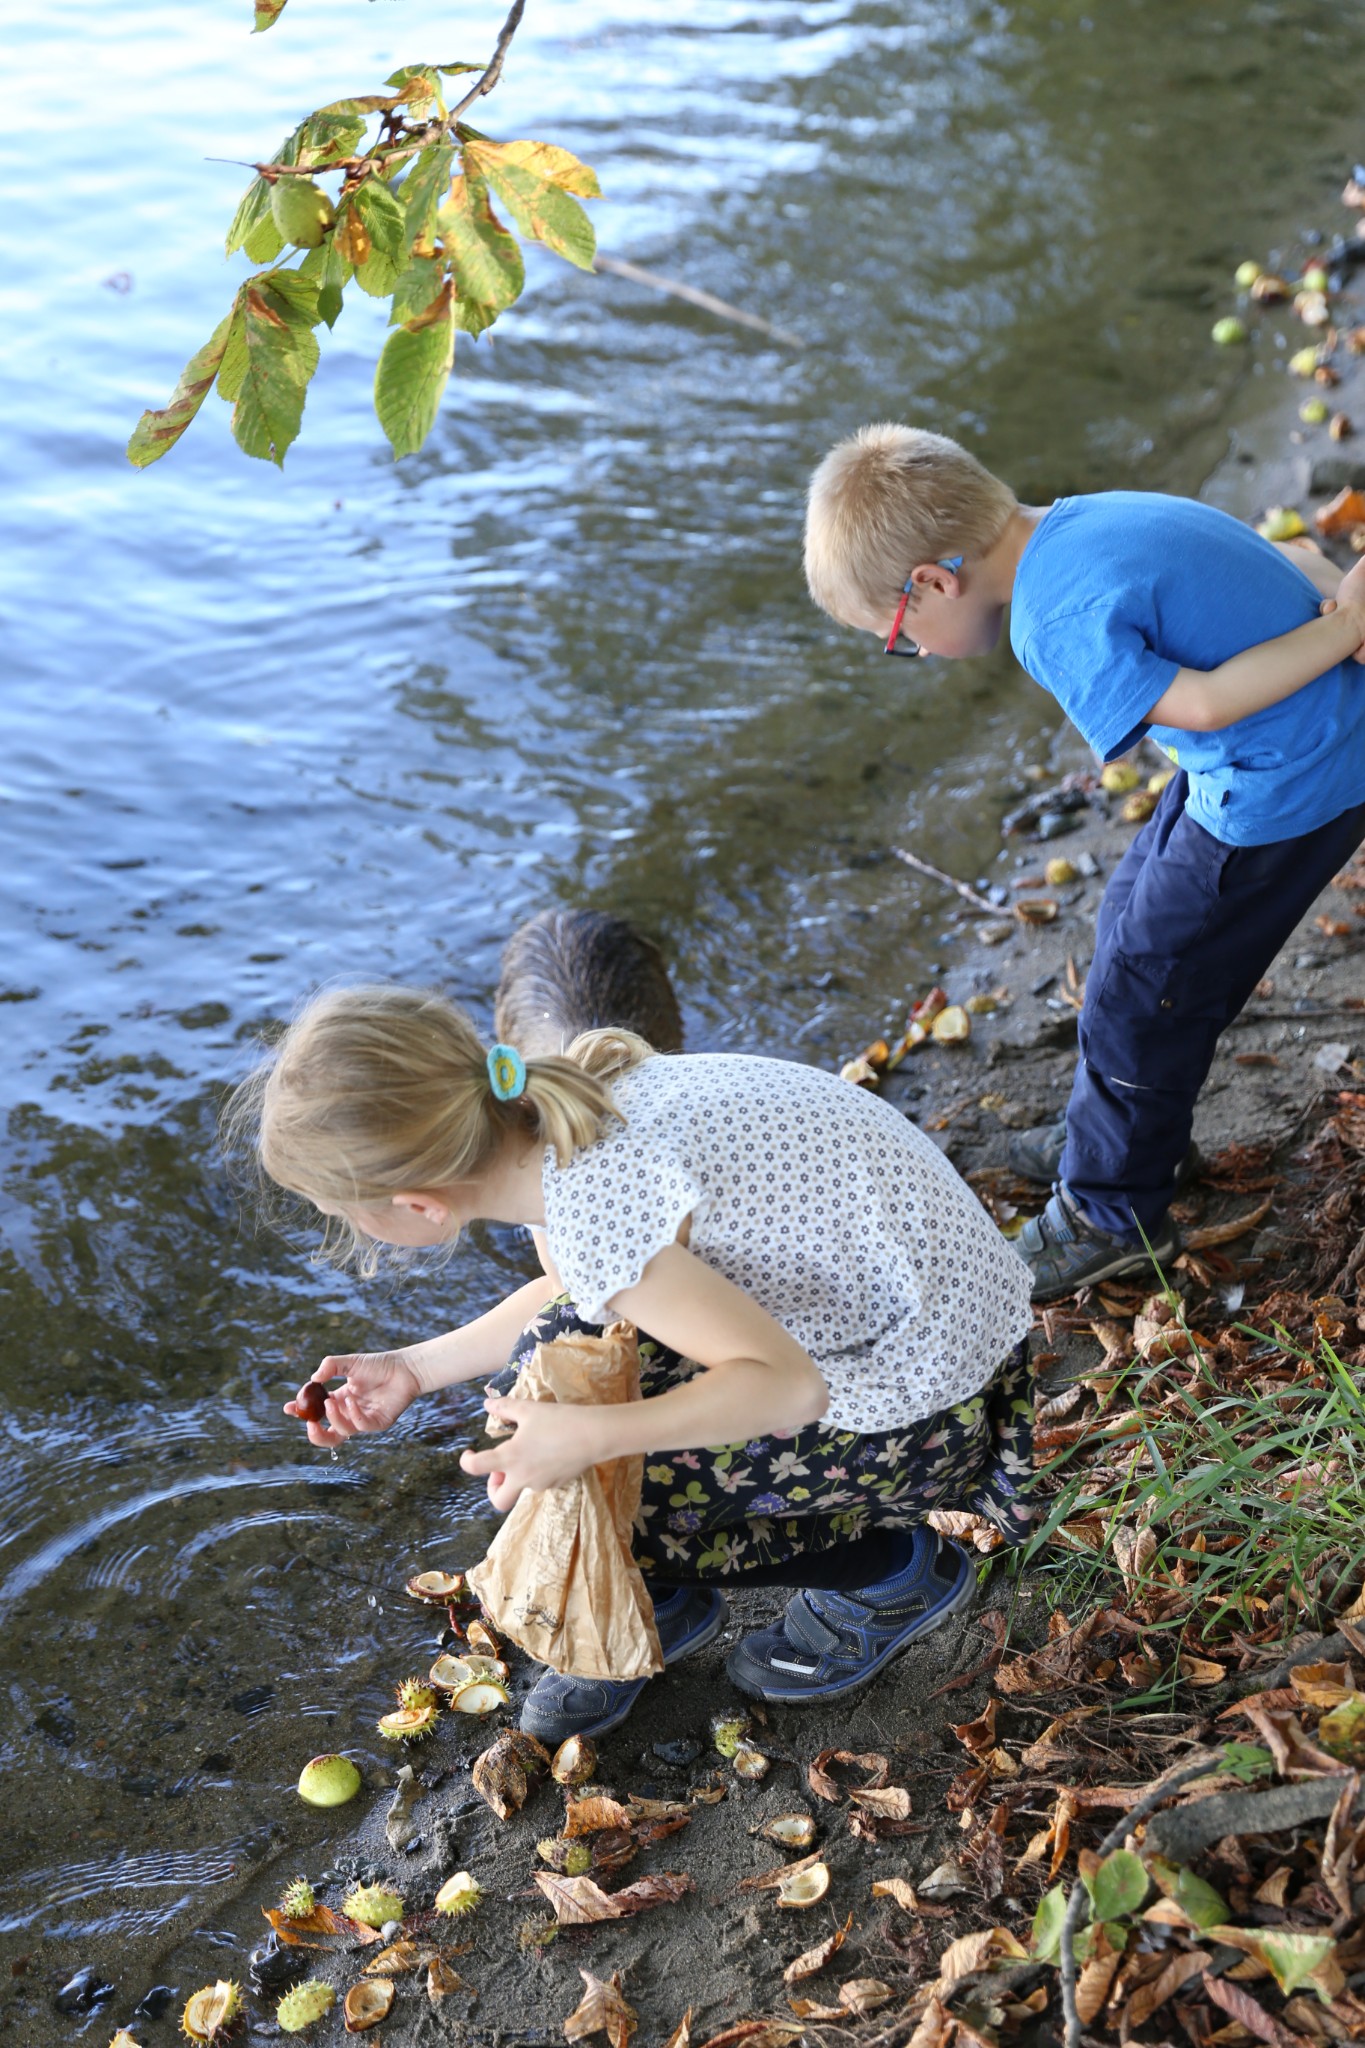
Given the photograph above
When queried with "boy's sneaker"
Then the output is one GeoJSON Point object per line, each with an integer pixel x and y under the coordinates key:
{"type": "Point", "coordinates": [1037, 1155]}
{"type": "Point", "coordinates": [827, 1644]}
{"type": "Point", "coordinates": [1065, 1251]}
{"type": "Point", "coordinates": [558, 1705]}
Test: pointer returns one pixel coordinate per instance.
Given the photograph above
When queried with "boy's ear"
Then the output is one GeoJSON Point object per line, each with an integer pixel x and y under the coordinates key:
{"type": "Point", "coordinates": [936, 576]}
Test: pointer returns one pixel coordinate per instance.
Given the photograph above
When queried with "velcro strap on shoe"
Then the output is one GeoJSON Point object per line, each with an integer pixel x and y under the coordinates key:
{"type": "Point", "coordinates": [805, 1629]}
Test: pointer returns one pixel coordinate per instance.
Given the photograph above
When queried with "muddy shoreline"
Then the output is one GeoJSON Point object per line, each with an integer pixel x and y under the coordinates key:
{"type": "Point", "coordinates": [720, 1951]}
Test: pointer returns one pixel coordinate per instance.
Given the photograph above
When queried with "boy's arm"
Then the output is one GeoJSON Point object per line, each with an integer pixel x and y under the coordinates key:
{"type": "Point", "coordinates": [1200, 700]}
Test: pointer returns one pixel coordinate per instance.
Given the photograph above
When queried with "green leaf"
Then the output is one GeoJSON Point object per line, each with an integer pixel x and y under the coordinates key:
{"type": "Point", "coordinates": [1246, 1761]}
{"type": "Point", "coordinates": [1118, 1886]}
{"type": "Point", "coordinates": [268, 13]}
{"type": "Point", "coordinates": [1293, 1958]}
{"type": "Point", "coordinates": [422, 191]}
{"type": "Point", "coordinates": [411, 377]}
{"type": "Point", "coordinates": [1198, 1901]}
{"type": "Point", "coordinates": [329, 303]}
{"type": "Point", "coordinates": [420, 82]}
{"type": "Point", "coordinates": [323, 139]}
{"type": "Point", "coordinates": [539, 206]}
{"type": "Point", "coordinates": [281, 356]}
{"type": "Point", "coordinates": [417, 291]}
{"type": "Point", "coordinates": [1047, 1924]}
{"type": "Point", "coordinates": [1342, 1731]}
{"type": "Point", "coordinates": [328, 136]}
{"type": "Point", "coordinates": [155, 432]}
{"type": "Point", "coordinates": [386, 225]}
{"type": "Point", "coordinates": [233, 367]}
{"type": "Point", "coordinates": [489, 272]}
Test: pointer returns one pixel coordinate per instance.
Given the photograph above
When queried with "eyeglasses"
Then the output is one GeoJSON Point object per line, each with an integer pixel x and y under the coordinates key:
{"type": "Point", "coordinates": [910, 651]}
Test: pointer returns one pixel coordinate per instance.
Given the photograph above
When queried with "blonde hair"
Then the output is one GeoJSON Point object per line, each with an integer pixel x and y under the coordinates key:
{"type": "Point", "coordinates": [380, 1088]}
{"type": "Point", "coordinates": [887, 499]}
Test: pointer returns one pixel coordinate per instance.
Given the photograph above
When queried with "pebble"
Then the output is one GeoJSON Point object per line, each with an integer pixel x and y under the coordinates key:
{"type": "Point", "coordinates": [1055, 824]}
{"type": "Point", "coordinates": [84, 1992]}
{"type": "Point", "coordinates": [273, 1967]}
{"type": "Point", "coordinates": [391, 1930]}
{"type": "Point", "coordinates": [154, 2003]}
{"type": "Point", "coordinates": [678, 1754]}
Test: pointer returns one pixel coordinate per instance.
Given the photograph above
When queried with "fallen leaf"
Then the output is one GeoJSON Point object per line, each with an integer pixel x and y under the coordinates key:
{"type": "Point", "coordinates": [659, 1888]}
{"type": "Point", "coordinates": [973, 1952]}
{"type": "Point", "coordinates": [825, 1787]}
{"type": "Point", "coordinates": [1092, 1986]}
{"type": "Point", "coordinates": [681, 2037]}
{"type": "Point", "coordinates": [767, 1880]}
{"type": "Point", "coordinates": [862, 1995]}
{"type": "Point", "coordinates": [603, 2011]}
{"type": "Point", "coordinates": [1201, 1670]}
{"type": "Point", "coordinates": [441, 1980]}
{"type": "Point", "coordinates": [577, 1901]}
{"type": "Point", "coordinates": [891, 1802]}
{"type": "Point", "coordinates": [1322, 1685]}
{"type": "Point", "coordinates": [812, 1960]}
{"type": "Point", "coordinates": [1149, 1998]}
{"type": "Point", "coordinates": [1346, 510]}
{"type": "Point", "coordinates": [586, 1816]}
{"type": "Point", "coordinates": [1224, 1233]}
{"type": "Point", "coordinates": [1242, 2007]}
{"type": "Point", "coordinates": [936, 2027]}
{"type": "Point", "coordinates": [979, 1735]}
{"type": "Point", "coordinates": [756, 2034]}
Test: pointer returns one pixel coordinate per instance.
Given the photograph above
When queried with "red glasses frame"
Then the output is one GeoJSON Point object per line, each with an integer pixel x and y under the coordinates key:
{"type": "Point", "coordinates": [910, 652]}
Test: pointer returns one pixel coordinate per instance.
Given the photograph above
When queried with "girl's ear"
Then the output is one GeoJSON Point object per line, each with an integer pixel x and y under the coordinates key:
{"type": "Point", "coordinates": [432, 1208]}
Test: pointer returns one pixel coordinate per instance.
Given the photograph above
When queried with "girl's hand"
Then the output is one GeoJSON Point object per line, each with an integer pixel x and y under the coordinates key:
{"type": "Point", "coordinates": [1351, 596]}
{"type": "Point", "coordinates": [553, 1443]}
{"type": "Point", "coordinates": [379, 1386]}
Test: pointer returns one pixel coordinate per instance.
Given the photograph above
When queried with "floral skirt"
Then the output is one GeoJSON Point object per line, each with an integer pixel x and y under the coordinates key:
{"type": "Point", "coordinates": [755, 1507]}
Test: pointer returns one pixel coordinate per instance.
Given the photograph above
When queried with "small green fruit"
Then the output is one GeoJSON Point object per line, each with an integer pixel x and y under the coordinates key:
{"type": "Point", "coordinates": [1315, 278]}
{"type": "Point", "coordinates": [329, 1781]}
{"type": "Point", "coordinates": [1281, 522]}
{"type": "Point", "coordinates": [297, 1901]}
{"type": "Point", "coordinates": [301, 211]}
{"type": "Point", "coordinates": [1313, 412]}
{"type": "Point", "coordinates": [1118, 777]}
{"type": "Point", "coordinates": [303, 2005]}
{"type": "Point", "coordinates": [1228, 331]}
{"type": "Point", "coordinates": [373, 1905]}
{"type": "Point", "coordinates": [1247, 274]}
{"type": "Point", "coordinates": [1303, 362]}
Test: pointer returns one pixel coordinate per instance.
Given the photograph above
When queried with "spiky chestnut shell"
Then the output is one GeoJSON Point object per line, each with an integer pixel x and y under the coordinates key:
{"type": "Point", "coordinates": [297, 1900]}
{"type": "Point", "coordinates": [211, 2013]}
{"type": "Point", "coordinates": [416, 1692]}
{"type": "Point", "coordinates": [373, 1905]}
{"type": "Point", "coordinates": [536, 1933]}
{"type": "Point", "coordinates": [459, 1894]}
{"type": "Point", "coordinates": [303, 2005]}
{"type": "Point", "coordinates": [409, 1724]}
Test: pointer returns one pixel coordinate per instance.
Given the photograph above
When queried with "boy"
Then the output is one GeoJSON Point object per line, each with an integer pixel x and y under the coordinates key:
{"type": "Point", "coordinates": [1141, 615]}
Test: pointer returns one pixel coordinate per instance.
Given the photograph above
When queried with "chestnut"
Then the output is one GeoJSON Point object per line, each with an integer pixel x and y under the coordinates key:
{"type": "Point", "coordinates": [311, 1402]}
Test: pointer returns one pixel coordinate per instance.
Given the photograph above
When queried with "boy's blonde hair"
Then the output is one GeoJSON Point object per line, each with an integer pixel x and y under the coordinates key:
{"type": "Point", "coordinates": [887, 499]}
{"type": "Point", "coordinates": [380, 1088]}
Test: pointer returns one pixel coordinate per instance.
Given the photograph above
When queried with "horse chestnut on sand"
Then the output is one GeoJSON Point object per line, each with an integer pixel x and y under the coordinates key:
{"type": "Point", "coordinates": [311, 1402]}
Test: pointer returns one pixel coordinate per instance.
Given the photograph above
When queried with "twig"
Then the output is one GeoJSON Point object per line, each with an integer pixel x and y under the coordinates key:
{"type": "Point", "coordinates": [495, 64]}
{"type": "Point", "coordinates": [616, 266]}
{"type": "Point", "coordinates": [968, 894]}
{"type": "Point", "coordinates": [1169, 1782]}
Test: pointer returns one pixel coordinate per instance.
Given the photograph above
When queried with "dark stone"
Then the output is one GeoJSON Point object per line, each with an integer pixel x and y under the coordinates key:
{"type": "Point", "coordinates": [85, 1992]}
{"type": "Point", "coordinates": [57, 1726]}
{"type": "Point", "coordinates": [1337, 473]}
{"type": "Point", "coordinates": [1056, 824]}
{"type": "Point", "coordinates": [154, 2002]}
{"type": "Point", "coordinates": [254, 1700]}
{"type": "Point", "coordinates": [273, 1967]}
{"type": "Point", "coordinates": [678, 1755]}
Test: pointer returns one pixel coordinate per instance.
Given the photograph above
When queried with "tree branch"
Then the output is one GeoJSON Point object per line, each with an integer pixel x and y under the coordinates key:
{"type": "Point", "coordinates": [499, 57]}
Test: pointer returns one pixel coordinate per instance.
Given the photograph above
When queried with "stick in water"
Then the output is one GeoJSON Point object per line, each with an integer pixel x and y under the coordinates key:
{"type": "Point", "coordinates": [616, 266]}
{"type": "Point", "coordinates": [924, 867]}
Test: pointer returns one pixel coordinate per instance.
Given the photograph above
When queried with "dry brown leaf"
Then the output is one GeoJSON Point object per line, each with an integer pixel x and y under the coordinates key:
{"type": "Point", "coordinates": [577, 1901]}
{"type": "Point", "coordinates": [972, 1952]}
{"type": "Point", "coordinates": [586, 1816]}
{"type": "Point", "coordinates": [1039, 1752]}
{"type": "Point", "coordinates": [756, 2034]}
{"type": "Point", "coordinates": [1133, 1551]}
{"type": "Point", "coordinates": [322, 1921]}
{"type": "Point", "coordinates": [825, 1787]}
{"type": "Point", "coordinates": [603, 2010]}
{"type": "Point", "coordinates": [1092, 1986]}
{"type": "Point", "coordinates": [936, 2027]}
{"type": "Point", "coordinates": [658, 1809]}
{"type": "Point", "coordinates": [659, 1888]}
{"type": "Point", "coordinates": [441, 1980]}
{"type": "Point", "coordinates": [962, 1527]}
{"type": "Point", "coordinates": [898, 1888]}
{"type": "Point", "coordinates": [1224, 1233]}
{"type": "Point", "coordinates": [1149, 1998]}
{"type": "Point", "coordinates": [681, 2037]}
{"type": "Point", "coordinates": [1201, 1670]}
{"type": "Point", "coordinates": [979, 1735]}
{"type": "Point", "coordinates": [1242, 2007]}
{"type": "Point", "coordinates": [1275, 1889]}
{"type": "Point", "coordinates": [812, 1960]}
{"type": "Point", "coordinates": [862, 1995]}
{"type": "Point", "coordinates": [890, 1802]}
{"type": "Point", "coordinates": [1323, 1685]}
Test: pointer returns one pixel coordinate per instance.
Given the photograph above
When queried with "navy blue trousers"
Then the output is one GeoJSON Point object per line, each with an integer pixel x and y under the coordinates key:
{"type": "Point", "coordinates": [1186, 929]}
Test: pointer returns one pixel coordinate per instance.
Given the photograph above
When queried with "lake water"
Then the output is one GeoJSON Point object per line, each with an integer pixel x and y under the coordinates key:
{"type": "Point", "coordinates": [356, 718]}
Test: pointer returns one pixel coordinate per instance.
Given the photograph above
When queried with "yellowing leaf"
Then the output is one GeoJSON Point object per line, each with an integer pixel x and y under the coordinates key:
{"type": "Point", "coordinates": [541, 208]}
{"type": "Point", "coordinates": [1322, 1685]}
{"type": "Point", "coordinates": [280, 307]}
{"type": "Point", "coordinates": [155, 432]}
{"type": "Point", "coordinates": [813, 1960]}
{"type": "Point", "coordinates": [487, 263]}
{"type": "Point", "coordinates": [555, 165]}
{"type": "Point", "coordinates": [602, 2010]}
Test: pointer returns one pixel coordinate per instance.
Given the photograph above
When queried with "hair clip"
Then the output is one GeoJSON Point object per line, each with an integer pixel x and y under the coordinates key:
{"type": "Point", "coordinates": [506, 1072]}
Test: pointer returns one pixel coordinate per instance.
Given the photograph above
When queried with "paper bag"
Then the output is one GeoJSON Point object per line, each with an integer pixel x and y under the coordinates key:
{"type": "Point", "coordinates": [559, 1577]}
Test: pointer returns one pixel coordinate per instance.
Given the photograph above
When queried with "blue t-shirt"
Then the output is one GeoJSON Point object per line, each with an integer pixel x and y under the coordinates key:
{"type": "Point", "coordinates": [1116, 592]}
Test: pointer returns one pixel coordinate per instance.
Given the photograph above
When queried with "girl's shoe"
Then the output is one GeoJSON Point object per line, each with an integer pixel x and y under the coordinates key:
{"type": "Point", "coordinates": [558, 1705]}
{"type": "Point", "coordinates": [831, 1643]}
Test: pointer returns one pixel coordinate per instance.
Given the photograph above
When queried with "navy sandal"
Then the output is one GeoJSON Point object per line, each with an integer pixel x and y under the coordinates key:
{"type": "Point", "coordinates": [828, 1644]}
{"type": "Point", "coordinates": [558, 1705]}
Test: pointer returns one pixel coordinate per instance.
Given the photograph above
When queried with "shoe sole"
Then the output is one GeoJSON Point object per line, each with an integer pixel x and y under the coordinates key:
{"type": "Point", "coordinates": [699, 1638]}
{"type": "Point", "coordinates": [1122, 1262]}
{"type": "Point", "coordinates": [961, 1599]}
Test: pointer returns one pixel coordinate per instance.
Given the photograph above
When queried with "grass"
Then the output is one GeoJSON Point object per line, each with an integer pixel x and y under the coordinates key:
{"type": "Point", "coordinates": [1254, 1497]}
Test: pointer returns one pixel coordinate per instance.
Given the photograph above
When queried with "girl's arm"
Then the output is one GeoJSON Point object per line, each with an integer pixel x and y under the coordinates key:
{"type": "Point", "coordinates": [381, 1384]}
{"type": "Point", "coordinates": [1206, 700]}
{"type": "Point", "coordinates": [757, 1379]}
{"type": "Point", "coordinates": [1321, 571]}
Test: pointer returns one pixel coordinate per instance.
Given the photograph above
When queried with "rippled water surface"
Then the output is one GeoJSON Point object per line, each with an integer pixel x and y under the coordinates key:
{"type": "Point", "coordinates": [261, 729]}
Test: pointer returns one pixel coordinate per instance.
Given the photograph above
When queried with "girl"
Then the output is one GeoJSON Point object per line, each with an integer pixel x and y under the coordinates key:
{"type": "Point", "coordinates": [835, 1323]}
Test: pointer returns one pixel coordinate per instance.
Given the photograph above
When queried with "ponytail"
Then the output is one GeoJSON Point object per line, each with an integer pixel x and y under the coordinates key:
{"type": "Point", "coordinates": [380, 1088]}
